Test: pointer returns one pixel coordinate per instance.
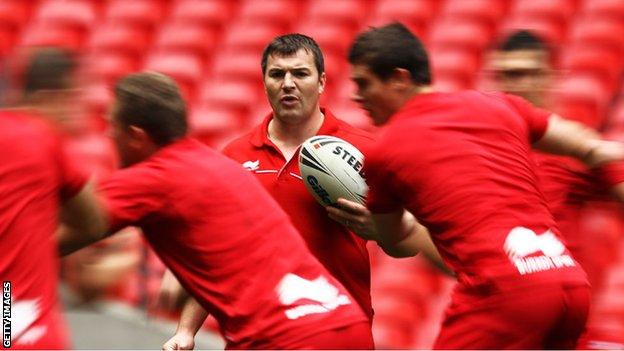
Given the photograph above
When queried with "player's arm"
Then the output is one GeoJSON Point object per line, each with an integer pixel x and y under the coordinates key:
{"type": "Point", "coordinates": [83, 221]}
{"type": "Point", "coordinates": [570, 138]}
{"type": "Point", "coordinates": [171, 294]}
{"type": "Point", "coordinates": [192, 317]}
{"type": "Point", "coordinates": [398, 233]}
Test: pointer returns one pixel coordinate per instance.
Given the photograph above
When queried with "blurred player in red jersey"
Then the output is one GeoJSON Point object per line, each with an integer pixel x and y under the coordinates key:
{"type": "Point", "coordinates": [220, 233]}
{"type": "Point", "coordinates": [294, 79]}
{"type": "Point", "coordinates": [37, 177]}
{"type": "Point", "coordinates": [522, 66]}
{"type": "Point", "coordinates": [460, 162]}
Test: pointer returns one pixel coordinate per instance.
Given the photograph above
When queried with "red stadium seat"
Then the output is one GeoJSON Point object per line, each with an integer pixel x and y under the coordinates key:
{"type": "Point", "coordinates": [603, 63]}
{"type": "Point", "coordinates": [47, 34]}
{"type": "Point", "coordinates": [346, 12]}
{"type": "Point", "coordinates": [278, 12]}
{"type": "Point", "coordinates": [76, 13]}
{"type": "Point", "coordinates": [210, 124]}
{"type": "Point", "coordinates": [109, 67]}
{"type": "Point", "coordinates": [547, 30]}
{"type": "Point", "coordinates": [14, 13]}
{"type": "Point", "coordinates": [486, 11]}
{"type": "Point", "coordinates": [143, 13]}
{"type": "Point", "coordinates": [460, 65]}
{"type": "Point", "coordinates": [351, 113]}
{"type": "Point", "coordinates": [415, 14]}
{"type": "Point", "coordinates": [187, 70]}
{"type": "Point", "coordinates": [187, 38]}
{"type": "Point", "coordinates": [131, 41]}
{"type": "Point", "coordinates": [331, 37]}
{"type": "Point", "coordinates": [238, 65]}
{"type": "Point", "coordinates": [97, 98]}
{"type": "Point", "coordinates": [456, 34]}
{"type": "Point", "coordinates": [448, 83]}
{"type": "Point", "coordinates": [231, 95]}
{"type": "Point", "coordinates": [605, 8]}
{"type": "Point", "coordinates": [212, 13]}
{"type": "Point", "coordinates": [553, 10]}
{"type": "Point", "coordinates": [582, 98]}
{"type": "Point", "coordinates": [599, 32]}
{"type": "Point", "coordinates": [250, 37]}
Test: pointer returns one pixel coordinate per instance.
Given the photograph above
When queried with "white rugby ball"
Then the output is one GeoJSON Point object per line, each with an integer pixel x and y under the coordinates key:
{"type": "Point", "coordinates": [332, 168]}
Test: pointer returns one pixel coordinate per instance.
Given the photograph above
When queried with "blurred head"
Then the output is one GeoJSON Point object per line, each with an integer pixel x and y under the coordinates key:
{"type": "Point", "coordinates": [294, 77]}
{"type": "Point", "coordinates": [521, 66]}
{"type": "Point", "coordinates": [148, 113]}
{"type": "Point", "coordinates": [388, 65]}
{"type": "Point", "coordinates": [48, 85]}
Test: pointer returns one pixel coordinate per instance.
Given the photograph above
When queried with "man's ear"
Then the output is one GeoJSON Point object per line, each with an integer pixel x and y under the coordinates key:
{"type": "Point", "coordinates": [138, 136]}
{"type": "Point", "coordinates": [401, 79]}
{"type": "Point", "coordinates": [322, 82]}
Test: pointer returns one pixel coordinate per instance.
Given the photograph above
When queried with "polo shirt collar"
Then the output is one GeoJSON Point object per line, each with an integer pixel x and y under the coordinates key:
{"type": "Point", "coordinates": [260, 135]}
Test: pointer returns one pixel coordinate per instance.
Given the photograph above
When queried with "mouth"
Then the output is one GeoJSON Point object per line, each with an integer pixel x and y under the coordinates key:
{"type": "Point", "coordinates": [289, 100]}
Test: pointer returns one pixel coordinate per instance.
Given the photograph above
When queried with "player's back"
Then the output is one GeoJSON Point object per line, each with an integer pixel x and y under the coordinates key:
{"type": "Point", "coordinates": [466, 158]}
{"type": "Point", "coordinates": [30, 193]}
{"type": "Point", "coordinates": [232, 246]}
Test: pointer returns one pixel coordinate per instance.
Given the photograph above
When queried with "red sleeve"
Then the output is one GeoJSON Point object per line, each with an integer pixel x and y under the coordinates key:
{"type": "Point", "coordinates": [381, 197]}
{"type": "Point", "coordinates": [73, 178]}
{"type": "Point", "coordinates": [612, 174]}
{"type": "Point", "coordinates": [131, 195]}
{"type": "Point", "coordinates": [536, 118]}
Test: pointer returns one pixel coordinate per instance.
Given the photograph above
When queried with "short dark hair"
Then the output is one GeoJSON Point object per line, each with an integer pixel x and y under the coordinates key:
{"type": "Point", "coordinates": [523, 40]}
{"type": "Point", "coordinates": [289, 44]}
{"type": "Point", "coordinates": [48, 69]}
{"type": "Point", "coordinates": [152, 101]}
{"type": "Point", "coordinates": [392, 46]}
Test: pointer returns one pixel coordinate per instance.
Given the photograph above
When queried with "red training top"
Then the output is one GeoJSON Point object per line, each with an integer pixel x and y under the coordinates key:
{"type": "Point", "coordinates": [343, 253]}
{"type": "Point", "coordinates": [230, 245]}
{"type": "Point", "coordinates": [35, 176]}
{"type": "Point", "coordinates": [461, 163]}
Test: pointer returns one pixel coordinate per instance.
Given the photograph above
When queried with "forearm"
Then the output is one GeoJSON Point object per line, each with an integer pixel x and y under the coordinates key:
{"type": "Point", "coordinates": [83, 222]}
{"type": "Point", "coordinates": [571, 138]}
{"type": "Point", "coordinates": [71, 239]}
{"type": "Point", "coordinates": [192, 317]}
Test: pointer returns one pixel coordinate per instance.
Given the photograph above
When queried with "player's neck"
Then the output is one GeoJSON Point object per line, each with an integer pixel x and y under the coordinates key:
{"type": "Point", "coordinates": [289, 136]}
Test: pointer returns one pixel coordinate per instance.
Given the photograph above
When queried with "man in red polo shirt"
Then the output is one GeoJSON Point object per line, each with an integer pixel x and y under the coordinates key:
{"type": "Point", "coordinates": [460, 162]}
{"type": "Point", "coordinates": [220, 233]}
{"type": "Point", "coordinates": [37, 178]}
{"type": "Point", "coordinates": [294, 78]}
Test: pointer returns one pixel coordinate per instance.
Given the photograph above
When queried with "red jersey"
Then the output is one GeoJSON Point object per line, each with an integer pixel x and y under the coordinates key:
{"type": "Point", "coordinates": [36, 175]}
{"type": "Point", "coordinates": [343, 253]}
{"type": "Point", "coordinates": [461, 163]}
{"type": "Point", "coordinates": [230, 245]}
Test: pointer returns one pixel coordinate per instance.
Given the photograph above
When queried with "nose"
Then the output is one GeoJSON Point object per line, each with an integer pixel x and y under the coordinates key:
{"type": "Point", "coordinates": [289, 82]}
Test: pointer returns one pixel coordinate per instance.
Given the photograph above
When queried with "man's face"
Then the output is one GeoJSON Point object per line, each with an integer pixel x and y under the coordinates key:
{"type": "Point", "coordinates": [522, 72]}
{"type": "Point", "coordinates": [373, 94]}
{"type": "Point", "coordinates": [293, 86]}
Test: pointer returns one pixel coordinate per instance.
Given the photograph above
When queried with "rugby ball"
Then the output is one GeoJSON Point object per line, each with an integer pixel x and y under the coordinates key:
{"type": "Point", "coordinates": [331, 168]}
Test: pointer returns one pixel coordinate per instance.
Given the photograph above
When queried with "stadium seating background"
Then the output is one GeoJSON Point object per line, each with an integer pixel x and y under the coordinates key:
{"type": "Point", "coordinates": [212, 48]}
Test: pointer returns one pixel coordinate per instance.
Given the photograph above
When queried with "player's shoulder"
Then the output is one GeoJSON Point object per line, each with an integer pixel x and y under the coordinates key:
{"type": "Point", "coordinates": [25, 123]}
{"type": "Point", "coordinates": [238, 144]}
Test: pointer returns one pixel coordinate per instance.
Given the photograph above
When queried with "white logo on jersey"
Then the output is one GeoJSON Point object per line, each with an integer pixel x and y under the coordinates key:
{"type": "Point", "coordinates": [251, 165]}
{"type": "Point", "coordinates": [293, 288]}
{"type": "Point", "coordinates": [23, 315]}
{"type": "Point", "coordinates": [522, 242]}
